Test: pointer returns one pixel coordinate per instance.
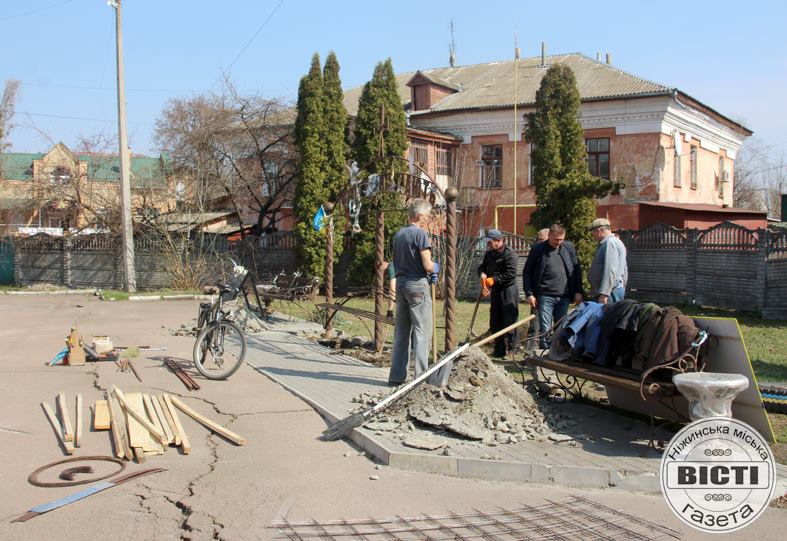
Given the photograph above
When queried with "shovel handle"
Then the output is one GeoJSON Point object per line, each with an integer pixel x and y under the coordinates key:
{"type": "Point", "coordinates": [501, 332]}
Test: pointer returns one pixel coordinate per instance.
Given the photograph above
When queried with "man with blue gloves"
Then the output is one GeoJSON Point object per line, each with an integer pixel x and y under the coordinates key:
{"type": "Point", "coordinates": [498, 279]}
{"type": "Point", "coordinates": [415, 271]}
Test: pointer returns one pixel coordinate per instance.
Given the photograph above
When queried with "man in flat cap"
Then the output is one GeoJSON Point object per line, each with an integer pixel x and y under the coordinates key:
{"type": "Point", "coordinates": [498, 278]}
{"type": "Point", "coordinates": [608, 273]}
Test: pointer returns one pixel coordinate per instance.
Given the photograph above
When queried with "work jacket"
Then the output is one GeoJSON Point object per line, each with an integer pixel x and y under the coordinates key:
{"type": "Point", "coordinates": [500, 265]}
{"type": "Point", "coordinates": [534, 268]}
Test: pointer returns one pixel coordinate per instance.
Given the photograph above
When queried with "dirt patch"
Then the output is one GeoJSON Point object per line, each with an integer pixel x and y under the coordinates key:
{"type": "Point", "coordinates": [481, 405]}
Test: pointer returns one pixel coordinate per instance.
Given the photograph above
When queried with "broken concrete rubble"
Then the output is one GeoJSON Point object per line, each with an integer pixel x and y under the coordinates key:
{"type": "Point", "coordinates": [481, 405]}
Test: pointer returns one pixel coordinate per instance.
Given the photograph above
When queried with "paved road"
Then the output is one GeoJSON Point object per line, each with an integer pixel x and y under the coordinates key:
{"type": "Point", "coordinates": [219, 490]}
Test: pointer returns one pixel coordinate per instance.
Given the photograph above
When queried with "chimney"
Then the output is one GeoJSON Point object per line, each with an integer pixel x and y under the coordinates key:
{"type": "Point", "coordinates": [598, 56]}
{"type": "Point", "coordinates": [543, 53]}
{"type": "Point", "coordinates": [609, 58]}
{"type": "Point", "coordinates": [452, 58]}
{"type": "Point", "coordinates": [516, 52]}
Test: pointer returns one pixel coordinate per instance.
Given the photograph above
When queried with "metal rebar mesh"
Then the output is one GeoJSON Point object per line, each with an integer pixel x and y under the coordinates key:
{"type": "Point", "coordinates": [573, 518]}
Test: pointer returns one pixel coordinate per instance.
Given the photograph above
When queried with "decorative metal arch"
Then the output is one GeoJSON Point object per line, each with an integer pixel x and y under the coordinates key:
{"type": "Point", "coordinates": [411, 181]}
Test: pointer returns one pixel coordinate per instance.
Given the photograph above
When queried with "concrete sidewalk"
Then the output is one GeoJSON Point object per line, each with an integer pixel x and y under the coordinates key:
{"type": "Point", "coordinates": [610, 450]}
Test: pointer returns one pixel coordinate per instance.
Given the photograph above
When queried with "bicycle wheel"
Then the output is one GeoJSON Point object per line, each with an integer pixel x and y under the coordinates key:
{"type": "Point", "coordinates": [219, 350]}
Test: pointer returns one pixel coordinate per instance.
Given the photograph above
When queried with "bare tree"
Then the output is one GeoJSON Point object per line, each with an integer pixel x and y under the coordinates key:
{"type": "Point", "coordinates": [760, 177]}
{"type": "Point", "coordinates": [7, 110]}
{"type": "Point", "coordinates": [234, 151]}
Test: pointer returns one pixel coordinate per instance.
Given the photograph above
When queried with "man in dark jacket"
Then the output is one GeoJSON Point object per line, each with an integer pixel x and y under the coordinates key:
{"type": "Point", "coordinates": [552, 279]}
{"type": "Point", "coordinates": [498, 278]}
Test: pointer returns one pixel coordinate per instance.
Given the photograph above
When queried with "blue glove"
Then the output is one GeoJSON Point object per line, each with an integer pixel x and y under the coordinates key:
{"type": "Point", "coordinates": [433, 276]}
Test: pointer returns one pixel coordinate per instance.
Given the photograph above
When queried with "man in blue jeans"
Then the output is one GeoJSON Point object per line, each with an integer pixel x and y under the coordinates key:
{"type": "Point", "coordinates": [608, 272]}
{"type": "Point", "coordinates": [552, 279]}
{"type": "Point", "coordinates": [415, 270]}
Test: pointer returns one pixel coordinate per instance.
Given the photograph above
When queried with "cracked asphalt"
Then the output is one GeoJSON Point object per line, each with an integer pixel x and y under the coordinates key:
{"type": "Point", "coordinates": [219, 491]}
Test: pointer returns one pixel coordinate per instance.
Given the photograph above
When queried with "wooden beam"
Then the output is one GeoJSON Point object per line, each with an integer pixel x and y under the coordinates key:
{"type": "Point", "coordinates": [68, 432]}
{"type": "Point", "coordinates": [119, 422]}
{"type": "Point", "coordinates": [101, 419]}
{"type": "Point", "coordinates": [144, 422]}
{"type": "Point", "coordinates": [50, 414]}
{"type": "Point", "coordinates": [153, 414]}
{"type": "Point", "coordinates": [115, 430]}
{"type": "Point", "coordinates": [211, 425]}
{"type": "Point", "coordinates": [170, 420]}
{"type": "Point", "coordinates": [154, 403]}
{"type": "Point", "coordinates": [78, 422]}
{"type": "Point", "coordinates": [184, 441]}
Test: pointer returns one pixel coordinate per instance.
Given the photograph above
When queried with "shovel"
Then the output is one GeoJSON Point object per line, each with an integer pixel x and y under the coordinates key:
{"type": "Point", "coordinates": [470, 332]}
{"type": "Point", "coordinates": [344, 426]}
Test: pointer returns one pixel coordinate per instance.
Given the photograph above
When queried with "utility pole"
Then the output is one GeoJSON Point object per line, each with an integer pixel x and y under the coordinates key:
{"type": "Point", "coordinates": [129, 273]}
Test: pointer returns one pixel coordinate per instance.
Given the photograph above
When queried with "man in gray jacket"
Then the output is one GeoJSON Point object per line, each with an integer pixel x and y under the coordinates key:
{"type": "Point", "coordinates": [608, 273]}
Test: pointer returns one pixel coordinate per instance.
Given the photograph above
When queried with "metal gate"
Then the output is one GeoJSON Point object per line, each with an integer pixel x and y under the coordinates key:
{"type": "Point", "coordinates": [6, 261]}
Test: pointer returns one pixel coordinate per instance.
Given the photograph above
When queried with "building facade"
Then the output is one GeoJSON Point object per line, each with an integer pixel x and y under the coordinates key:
{"type": "Point", "coordinates": [61, 192]}
{"type": "Point", "coordinates": [466, 129]}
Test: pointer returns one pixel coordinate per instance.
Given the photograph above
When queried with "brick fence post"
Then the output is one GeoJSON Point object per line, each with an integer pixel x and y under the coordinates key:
{"type": "Point", "coordinates": [66, 271]}
{"type": "Point", "coordinates": [761, 271]}
{"type": "Point", "coordinates": [692, 239]}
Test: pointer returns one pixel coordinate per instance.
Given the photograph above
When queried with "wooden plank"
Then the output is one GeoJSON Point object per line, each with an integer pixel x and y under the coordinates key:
{"type": "Point", "coordinates": [162, 418]}
{"type": "Point", "coordinates": [144, 422]}
{"type": "Point", "coordinates": [138, 435]}
{"type": "Point", "coordinates": [170, 420]}
{"type": "Point", "coordinates": [139, 455]}
{"type": "Point", "coordinates": [101, 420]}
{"type": "Point", "coordinates": [78, 422]}
{"type": "Point", "coordinates": [76, 354]}
{"type": "Point", "coordinates": [211, 425]}
{"type": "Point", "coordinates": [153, 415]}
{"type": "Point", "coordinates": [50, 414]}
{"type": "Point", "coordinates": [184, 441]}
{"type": "Point", "coordinates": [68, 432]}
{"type": "Point", "coordinates": [120, 421]}
{"type": "Point", "coordinates": [117, 441]}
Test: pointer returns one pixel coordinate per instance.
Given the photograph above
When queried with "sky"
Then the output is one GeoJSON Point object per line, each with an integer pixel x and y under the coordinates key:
{"type": "Point", "coordinates": [729, 55]}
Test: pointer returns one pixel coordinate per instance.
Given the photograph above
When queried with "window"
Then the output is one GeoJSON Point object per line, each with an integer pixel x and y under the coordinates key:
{"type": "Point", "coordinates": [720, 177]}
{"type": "Point", "coordinates": [60, 175]}
{"type": "Point", "coordinates": [445, 161]}
{"type": "Point", "coordinates": [491, 166]}
{"type": "Point", "coordinates": [420, 154]}
{"type": "Point", "coordinates": [270, 182]}
{"type": "Point", "coordinates": [693, 162]}
{"type": "Point", "coordinates": [598, 157]}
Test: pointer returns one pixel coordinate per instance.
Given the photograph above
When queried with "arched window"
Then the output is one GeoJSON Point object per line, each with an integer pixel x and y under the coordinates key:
{"type": "Point", "coordinates": [60, 175]}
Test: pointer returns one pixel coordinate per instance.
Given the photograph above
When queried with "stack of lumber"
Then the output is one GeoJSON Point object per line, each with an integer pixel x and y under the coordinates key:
{"type": "Point", "coordinates": [68, 435]}
{"type": "Point", "coordinates": [141, 424]}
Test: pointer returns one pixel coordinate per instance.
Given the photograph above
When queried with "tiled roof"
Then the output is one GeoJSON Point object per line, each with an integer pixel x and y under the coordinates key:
{"type": "Point", "coordinates": [146, 172]}
{"type": "Point", "coordinates": [491, 85]}
{"type": "Point", "coordinates": [17, 166]}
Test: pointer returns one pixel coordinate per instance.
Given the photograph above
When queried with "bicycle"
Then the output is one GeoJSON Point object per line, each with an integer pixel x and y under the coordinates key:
{"type": "Point", "coordinates": [221, 345]}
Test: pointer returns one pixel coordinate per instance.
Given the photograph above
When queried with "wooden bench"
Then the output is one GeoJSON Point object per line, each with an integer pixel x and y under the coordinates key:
{"type": "Point", "coordinates": [577, 374]}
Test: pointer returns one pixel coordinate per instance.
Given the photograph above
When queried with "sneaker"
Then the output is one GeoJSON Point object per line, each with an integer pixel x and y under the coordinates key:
{"type": "Point", "coordinates": [395, 383]}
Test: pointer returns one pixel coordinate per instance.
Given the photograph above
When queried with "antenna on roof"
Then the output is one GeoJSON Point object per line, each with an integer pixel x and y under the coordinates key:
{"type": "Point", "coordinates": [516, 45]}
{"type": "Point", "coordinates": [452, 48]}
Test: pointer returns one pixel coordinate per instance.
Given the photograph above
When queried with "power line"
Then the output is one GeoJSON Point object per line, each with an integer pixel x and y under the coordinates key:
{"type": "Point", "coordinates": [255, 34]}
{"type": "Point", "coordinates": [67, 117]}
{"type": "Point", "coordinates": [43, 8]}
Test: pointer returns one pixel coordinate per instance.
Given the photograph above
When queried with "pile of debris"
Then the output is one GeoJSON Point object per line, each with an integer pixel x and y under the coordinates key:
{"type": "Point", "coordinates": [481, 405]}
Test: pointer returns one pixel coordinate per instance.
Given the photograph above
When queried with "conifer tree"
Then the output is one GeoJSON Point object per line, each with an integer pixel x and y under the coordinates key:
{"type": "Point", "coordinates": [565, 189]}
{"type": "Point", "coordinates": [380, 90]}
{"type": "Point", "coordinates": [311, 190]}
{"type": "Point", "coordinates": [334, 140]}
